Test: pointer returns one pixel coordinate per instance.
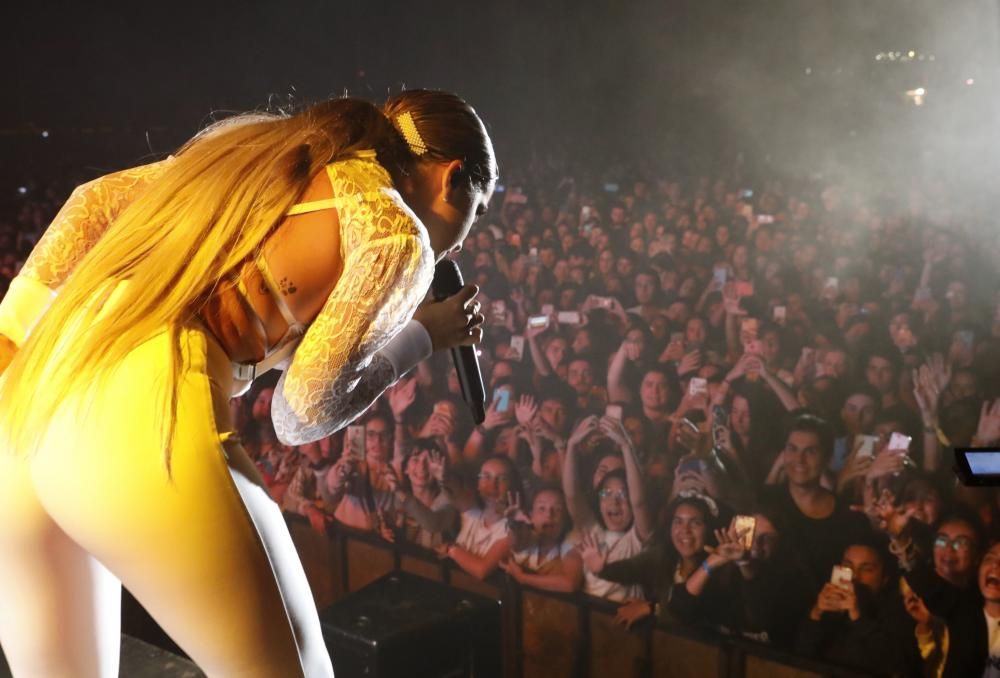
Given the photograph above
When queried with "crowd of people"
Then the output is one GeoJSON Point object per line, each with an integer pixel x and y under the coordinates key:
{"type": "Point", "coordinates": [718, 405]}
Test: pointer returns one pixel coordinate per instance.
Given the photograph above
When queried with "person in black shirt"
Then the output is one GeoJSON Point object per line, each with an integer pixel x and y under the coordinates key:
{"type": "Point", "coordinates": [809, 514]}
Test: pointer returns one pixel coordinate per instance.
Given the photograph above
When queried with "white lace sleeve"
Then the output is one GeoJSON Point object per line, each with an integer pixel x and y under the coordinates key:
{"type": "Point", "coordinates": [337, 372]}
{"type": "Point", "coordinates": [83, 220]}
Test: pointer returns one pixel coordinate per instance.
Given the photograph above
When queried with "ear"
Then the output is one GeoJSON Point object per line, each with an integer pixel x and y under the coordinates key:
{"type": "Point", "coordinates": [452, 180]}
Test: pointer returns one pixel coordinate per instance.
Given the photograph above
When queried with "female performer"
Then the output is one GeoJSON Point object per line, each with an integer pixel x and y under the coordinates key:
{"type": "Point", "coordinates": [304, 242]}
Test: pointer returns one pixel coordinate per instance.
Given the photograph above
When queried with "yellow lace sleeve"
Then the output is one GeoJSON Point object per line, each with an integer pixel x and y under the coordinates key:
{"type": "Point", "coordinates": [337, 371]}
{"type": "Point", "coordinates": [82, 221]}
{"type": "Point", "coordinates": [77, 226]}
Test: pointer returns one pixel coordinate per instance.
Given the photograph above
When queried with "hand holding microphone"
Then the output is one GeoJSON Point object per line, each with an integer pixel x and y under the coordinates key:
{"type": "Point", "coordinates": [454, 321]}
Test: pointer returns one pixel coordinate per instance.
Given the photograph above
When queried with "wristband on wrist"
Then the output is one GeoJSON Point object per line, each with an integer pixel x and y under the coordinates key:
{"type": "Point", "coordinates": [705, 566]}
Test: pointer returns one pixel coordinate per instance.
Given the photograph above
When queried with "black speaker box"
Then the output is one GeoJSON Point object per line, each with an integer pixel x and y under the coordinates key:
{"type": "Point", "coordinates": [405, 625]}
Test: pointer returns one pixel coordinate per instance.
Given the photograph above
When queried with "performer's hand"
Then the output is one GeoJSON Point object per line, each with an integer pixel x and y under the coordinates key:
{"type": "Point", "coordinates": [456, 321]}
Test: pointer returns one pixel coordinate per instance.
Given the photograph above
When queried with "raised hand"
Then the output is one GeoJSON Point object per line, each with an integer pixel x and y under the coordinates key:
{"type": "Point", "coordinates": [514, 513]}
{"type": "Point", "coordinates": [494, 418]}
{"type": "Point", "coordinates": [988, 431]}
{"type": "Point", "coordinates": [437, 464]}
{"type": "Point", "coordinates": [886, 463]}
{"type": "Point", "coordinates": [583, 429]}
{"type": "Point", "coordinates": [525, 409]}
{"type": "Point", "coordinates": [690, 362]}
{"type": "Point", "coordinates": [401, 396]}
{"type": "Point", "coordinates": [592, 554]}
{"type": "Point", "coordinates": [731, 300]}
{"type": "Point", "coordinates": [730, 548]}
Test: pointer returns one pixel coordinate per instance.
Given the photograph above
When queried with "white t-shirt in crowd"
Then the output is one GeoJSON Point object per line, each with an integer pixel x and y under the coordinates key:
{"type": "Point", "coordinates": [532, 558]}
{"type": "Point", "coordinates": [617, 546]}
{"type": "Point", "coordinates": [475, 537]}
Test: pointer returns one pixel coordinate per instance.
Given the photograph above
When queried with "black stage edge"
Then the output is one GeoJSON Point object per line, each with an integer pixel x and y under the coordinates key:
{"type": "Point", "coordinates": [140, 659]}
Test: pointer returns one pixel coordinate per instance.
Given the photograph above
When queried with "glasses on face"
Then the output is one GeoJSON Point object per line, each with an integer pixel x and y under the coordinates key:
{"type": "Point", "coordinates": [617, 494]}
{"type": "Point", "coordinates": [489, 477]}
{"type": "Point", "coordinates": [957, 544]}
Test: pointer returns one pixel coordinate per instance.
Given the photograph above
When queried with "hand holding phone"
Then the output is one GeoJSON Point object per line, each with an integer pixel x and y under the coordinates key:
{"type": "Point", "coordinates": [842, 577]}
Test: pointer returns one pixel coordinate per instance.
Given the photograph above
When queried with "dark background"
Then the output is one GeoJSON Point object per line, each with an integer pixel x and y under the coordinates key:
{"type": "Point", "coordinates": [680, 83]}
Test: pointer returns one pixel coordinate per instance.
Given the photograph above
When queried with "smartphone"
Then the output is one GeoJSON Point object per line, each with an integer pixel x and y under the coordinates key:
{"type": "Point", "coordinates": [499, 188]}
{"type": "Point", "coordinates": [611, 188]}
{"type": "Point", "coordinates": [547, 309]}
{"type": "Point", "coordinates": [538, 321]}
{"type": "Point", "coordinates": [613, 412]}
{"type": "Point", "coordinates": [499, 312]}
{"type": "Point", "coordinates": [356, 442]}
{"type": "Point", "coordinates": [745, 525]}
{"type": "Point", "coordinates": [585, 213]}
{"type": "Point", "coordinates": [898, 441]}
{"type": "Point", "coordinates": [842, 576]}
{"type": "Point", "coordinates": [691, 464]}
{"type": "Point", "coordinates": [744, 289]}
{"type": "Point", "coordinates": [568, 317]}
{"type": "Point", "coordinates": [517, 346]}
{"type": "Point", "coordinates": [746, 193]}
{"type": "Point", "coordinates": [780, 312]}
{"type": "Point", "coordinates": [501, 397]}
{"type": "Point", "coordinates": [832, 283]}
{"type": "Point", "coordinates": [765, 218]}
{"type": "Point", "coordinates": [867, 448]}
{"type": "Point", "coordinates": [604, 302]}
{"type": "Point", "coordinates": [697, 386]}
{"type": "Point", "coordinates": [719, 274]}
{"type": "Point", "coordinates": [676, 337]}
{"type": "Point", "coordinates": [533, 255]}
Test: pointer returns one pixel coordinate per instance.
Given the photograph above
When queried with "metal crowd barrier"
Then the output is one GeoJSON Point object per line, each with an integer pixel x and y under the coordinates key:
{"type": "Point", "coordinates": [549, 634]}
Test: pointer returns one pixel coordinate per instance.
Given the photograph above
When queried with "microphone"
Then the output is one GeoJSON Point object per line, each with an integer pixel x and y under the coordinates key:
{"type": "Point", "coordinates": [448, 281]}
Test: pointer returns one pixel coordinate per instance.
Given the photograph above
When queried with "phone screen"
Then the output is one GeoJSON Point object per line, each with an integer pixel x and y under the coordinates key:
{"type": "Point", "coordinates": [898, 441]}
{"type": "Point", "coordinates": [613, 412]}
{"type": "Point", "coordinates": [356, 441]}
{"type": "Point", "coordinates": [538, 321]}
{"type": "Point", "coordinates": [501, 397]}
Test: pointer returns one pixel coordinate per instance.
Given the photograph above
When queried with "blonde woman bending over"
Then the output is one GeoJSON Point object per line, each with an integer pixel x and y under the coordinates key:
{"type": "Point", "coordinates": [301, 242]}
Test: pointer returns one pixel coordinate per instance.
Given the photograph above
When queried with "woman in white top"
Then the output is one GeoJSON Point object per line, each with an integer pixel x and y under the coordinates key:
{"type": "Point", "coordinates": [483, 540]}
{"type": "Point", "coordinates": [619, 524]}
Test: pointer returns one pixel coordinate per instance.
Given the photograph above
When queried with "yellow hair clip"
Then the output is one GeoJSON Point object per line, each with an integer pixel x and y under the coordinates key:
{"type": "Point", "coordinates": [410, 133]}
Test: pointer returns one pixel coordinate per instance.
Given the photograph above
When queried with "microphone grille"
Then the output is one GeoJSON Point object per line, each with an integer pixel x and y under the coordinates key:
{"type": "Point", "coordinates": [447, 279]}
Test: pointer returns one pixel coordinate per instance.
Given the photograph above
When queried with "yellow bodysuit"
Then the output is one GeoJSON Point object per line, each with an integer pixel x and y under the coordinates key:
{"type": "Point", "coordinates": [206, 552]}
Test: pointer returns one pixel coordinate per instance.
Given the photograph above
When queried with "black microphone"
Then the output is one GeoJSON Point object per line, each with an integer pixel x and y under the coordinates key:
{"type": "Point", "coordinates": [448, 281]}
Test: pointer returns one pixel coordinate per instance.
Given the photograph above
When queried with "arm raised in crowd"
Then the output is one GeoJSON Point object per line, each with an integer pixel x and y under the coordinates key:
{"type": "Point", "coordinates": [614, 430]}
{"type": "Point", "coordinates": [576, 498]}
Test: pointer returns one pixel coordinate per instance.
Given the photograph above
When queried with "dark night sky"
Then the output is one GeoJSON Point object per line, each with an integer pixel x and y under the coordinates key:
{"type": "Point", "coordinates": [595, 72]}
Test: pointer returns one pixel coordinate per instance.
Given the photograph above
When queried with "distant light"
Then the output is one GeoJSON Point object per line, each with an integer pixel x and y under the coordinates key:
{"type": "Point", "coordinates": [920, 91]}
{"type": "Point", "coordinates": [45, 134]}
{"type": "Point", "coordinates": [911, 54]}
{"type": "Point", "coordinates": [930, 58]}
{"type": "Point", "coordinates": [970, 81]}
{"type": "Point", "coordinates": [22, 189]}
{"type": "Point", "coordinates": [808, 71]}
{"type": "Point", "coordinates": [917, 95]}
{"type": "Point", "coordinates": [879, 56]}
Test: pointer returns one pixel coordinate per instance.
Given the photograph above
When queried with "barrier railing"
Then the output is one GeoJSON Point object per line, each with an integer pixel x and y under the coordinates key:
{"type": "Point", "coordinates": [544, 633]}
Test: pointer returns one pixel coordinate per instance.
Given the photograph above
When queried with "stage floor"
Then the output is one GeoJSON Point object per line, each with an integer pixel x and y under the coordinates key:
{"type": "Point", "coordinates": [142, 660]}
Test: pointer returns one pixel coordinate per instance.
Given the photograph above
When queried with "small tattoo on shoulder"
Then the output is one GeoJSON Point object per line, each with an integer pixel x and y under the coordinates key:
{"type": "Point", "coordinates": [287, 287]}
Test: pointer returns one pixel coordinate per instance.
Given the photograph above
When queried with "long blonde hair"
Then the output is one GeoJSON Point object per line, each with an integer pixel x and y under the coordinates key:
{"type": "Point", "coordinates": [209, 211]}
